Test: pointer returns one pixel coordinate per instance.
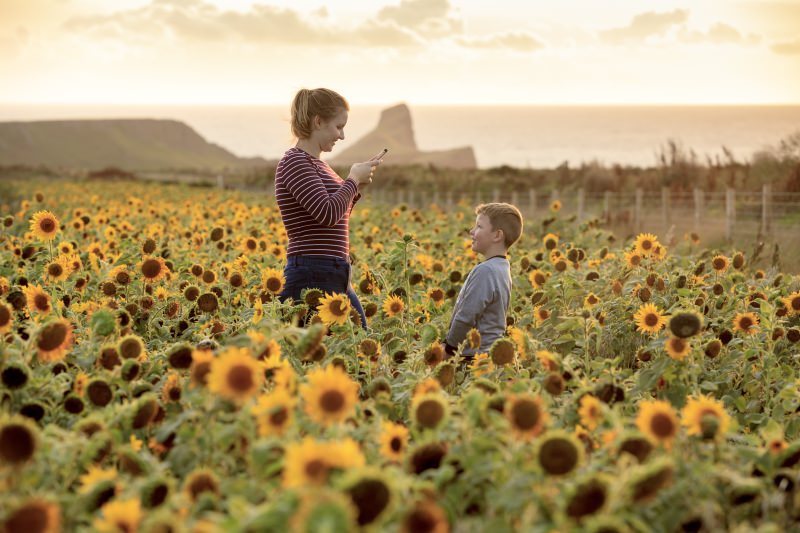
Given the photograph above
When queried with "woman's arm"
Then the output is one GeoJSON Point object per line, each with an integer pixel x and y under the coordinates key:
{"type": "Point", "coordinates": [303, 181]}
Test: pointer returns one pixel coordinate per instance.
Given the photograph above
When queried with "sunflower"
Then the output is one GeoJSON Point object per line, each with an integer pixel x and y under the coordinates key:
{"type": "Point", "coordinates": [555, 205]}
{"type": "Point", "coordinates": [235, 375]}
{"type": "Point", "coordinates": [649, 319]}
{"type": "Point", "coordinates": [645, 244]}
{"type": "Point", "coordinates": [548, 359]}
{"type": "Point", "coordinates": [34, 516]}
{"type": "Point", "coordinates": [19, 440]}
{"type": "Point", "coordinates": [705, 416]}
{"type": "Point", "coordinates": [590, 497]}
{"type": "Point", "coordinates": [45, 225]}
{"type": "Point", "coordinates": [6, 318]}
{"type": "Point", "coordinates": [647, 480]}
{"type": "Point", "coordinates": [747, 323]}
{"type": "Point", "coordinates": [201, 367]}
{"type": "Point", "coordinates": [371, 494]}
{"type": "Point", "coordinates": [95, 475]}
{"type": "Point", "coordinates": [436, 295]}
{"type": "Point", "coordinates": [393, 441]}
{"type": "Point", "coordinates": [152, 268]}
{"type": "Point", "coordinates": [425, 516]}
{"type": "Point", "coordinates": [320, 509]}
{"type": "Point", "coordinates": [558, 453]}
{"type": "Point", "coordinates": [429, 411]}
{"type": "Point", "coordinates": [334, 309]}
{"type": "Point", "coordinates": [131, 347]}
{"type": "Point", "coordinates": [550, 241]}
{"type": "Point", "coordinates": [199, 481]}
{"type": "Point", "coordinates": [329, 396]}
{"type": "Point", "coordinates": [58, 269]}
{"type": "Point", "coordinates": [393, 305]}
{"type": "Point", "coordinates": [590, 300]}
{"type": "Point", "coordinates": [633, 258]}
{"type": "Point", "coordinates": [720, 263]}
{"type": "Point", "coordinates": [685, 324]}
{"type": "Point", "coordinates": [590, 411]}
{"type": "Point", "coordinates": [792, 303]}
{"type": "Point", "coordinates": [677, 348]}
{"type": "Point", "coordinates": [526, 415]}
{"type": "Point", "coordinates": [54, 340]}
{"type": "Point", "coordinates": [540, 314]}
{"type": "Point", "coordinates": [272, 280]}
{"type": "Point", "coordinates": [37, 299]}
{"type": "Point", "coordinates": [658, 421]}
{"type": "Point", "coordinates": [274, 412]}
{"type": "Point", "coordinates": [502, 351]}
{"type": "Point", "coordinates": [309, 462]}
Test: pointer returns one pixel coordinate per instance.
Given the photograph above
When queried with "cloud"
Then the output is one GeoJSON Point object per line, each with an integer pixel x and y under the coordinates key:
{"type": "Point", "coordinates": [426, 17]}
{"type": "Point", "coordinates": [196, 20]}
{"type": "Point", "coordinates": [645, 25]}
{"type": "Point", "coordinates": [719, 33]}
{"type": "Point", "coordinates": [787, 48]}
{"type": "Point", "coordinates": [522, 42]}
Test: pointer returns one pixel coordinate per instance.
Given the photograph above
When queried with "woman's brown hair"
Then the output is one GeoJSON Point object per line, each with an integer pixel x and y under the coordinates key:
{"type": "Point", "coordinates": [309, 103]}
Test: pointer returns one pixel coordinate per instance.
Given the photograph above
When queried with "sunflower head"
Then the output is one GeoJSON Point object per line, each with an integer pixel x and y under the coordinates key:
{"type": "Point", "coordinates": [677, 348]}
{"type": "Point", "coordinates": [19, 440]}
{"type": "Point", "coordinates": [747, 323]}
{"type": "Point", "coordinates": [429, 411]}
{"type": "Point", "coordinates": [526, 415]}
{"type": "Point", "coordinates": [649, 319]}
{"type": "Point", "coordinates": [45, 225]}
{"type": "Point", "coordinates": [646, 481]}
{"type": "Point", "coordinates": [393, 305]}
{"type": "Point", "coordinates": [658, 421]}
{"type": "Point", "coordinates": [705, 416]}
{"type": "Point", "coordinates": [590, 497]}
{"type": "Point", "coordinates": [558, 453]}
{"type": "Point", "coordinates": [329, 395]}
{"type": "Point", "coordinates": [685, 324]}
{"type": "Point", "coordinates": [235, 375]}
{"type": "Point", "coordinates": [502, 351]}
{"type": "Point", "coordinates": [152, 268]}
{"type": "Point", "coordinates": [393, 441]}
{"type": "Point", "coordinates": [54, 340]}
{"type": "Point", "coordinates": [334, 309]}
{"type": "Point", "coordinates": [792, 303]}
{"type": "Point", "coordinates": [720, 263]}
{"type": "Point", "coordinates": [35, 515]}
{"type": "Point", "coordinates": [370, 493]}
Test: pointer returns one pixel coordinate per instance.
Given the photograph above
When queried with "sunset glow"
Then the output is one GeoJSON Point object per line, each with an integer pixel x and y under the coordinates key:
{"type": "Point", "coordinates": [417, 51]}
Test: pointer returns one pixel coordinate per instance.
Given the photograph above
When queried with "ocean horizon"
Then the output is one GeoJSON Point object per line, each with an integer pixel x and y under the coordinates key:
{"type": "Point", "coordinates": [535, 136]}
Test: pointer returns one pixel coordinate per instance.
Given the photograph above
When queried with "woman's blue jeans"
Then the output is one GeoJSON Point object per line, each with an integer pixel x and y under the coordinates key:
{"type": "Point", "coordinates": [328, 274]}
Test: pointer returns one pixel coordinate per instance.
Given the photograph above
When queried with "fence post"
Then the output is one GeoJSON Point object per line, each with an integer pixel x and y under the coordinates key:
{"type": "Point", "coordinates": [436, 197]}
{"type": "Point", "coordinates": [607, 207]}
{"type": "Point", "coordinates": [496, 195]}
{"type": "Point", "coordinates": [410, 198]}
{"type": "Point", "coordinates": [698, 208]}
{"type": "Point", "coordinates": [766, 209]}
{"type": "Point", "coordinates": [665, 208]}
{"type": "Point", "coordinates": [730, 213]}
{"type": "Point", "coordinates": [515, 199]}
{"type": "Point", "coordinates": [637, 211]}
{"type": "Point", "coordinates": [398, 197]}
{"type": "Point", "coordinates": [220, 181]}
{"type": "Point", "coordinates": [532, 201]}
{"type": "Point", "coordinates": [449, 199]}
{"type": "Point", "coordinates": [581, 200]}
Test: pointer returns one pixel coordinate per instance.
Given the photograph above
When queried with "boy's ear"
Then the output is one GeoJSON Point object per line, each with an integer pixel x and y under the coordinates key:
{"type": "Point", "coordinates": [499, 235]}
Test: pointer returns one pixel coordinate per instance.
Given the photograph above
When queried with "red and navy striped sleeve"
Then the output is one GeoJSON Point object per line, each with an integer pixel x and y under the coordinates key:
{"type": "Point", "coordinates": [315, 205]}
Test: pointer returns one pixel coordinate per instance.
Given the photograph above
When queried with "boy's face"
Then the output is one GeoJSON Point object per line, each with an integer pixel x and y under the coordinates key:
{"type": "Point", "coordinates": [483, 235]}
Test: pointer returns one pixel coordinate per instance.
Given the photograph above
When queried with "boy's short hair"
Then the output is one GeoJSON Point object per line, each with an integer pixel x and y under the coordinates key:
{"type": "Point", "coordinates": [505, 217]}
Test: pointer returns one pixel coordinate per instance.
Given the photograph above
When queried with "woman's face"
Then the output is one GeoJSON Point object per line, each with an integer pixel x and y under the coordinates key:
{"type": "Point", "coordinates": [330, 131]}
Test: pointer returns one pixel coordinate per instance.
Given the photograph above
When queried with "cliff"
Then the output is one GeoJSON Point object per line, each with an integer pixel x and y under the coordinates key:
{"type": "Point", "coordinates": [395, 131]}
{"type": "Point", "coordinates": [137, 144]}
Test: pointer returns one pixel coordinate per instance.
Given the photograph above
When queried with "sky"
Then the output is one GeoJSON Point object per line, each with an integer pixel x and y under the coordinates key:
{"type": "Point", "coordinates": [435, 52]}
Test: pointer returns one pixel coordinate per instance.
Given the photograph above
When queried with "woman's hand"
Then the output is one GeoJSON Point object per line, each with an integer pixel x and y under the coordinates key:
{"type": "Point", "coordinates": [362, 173]}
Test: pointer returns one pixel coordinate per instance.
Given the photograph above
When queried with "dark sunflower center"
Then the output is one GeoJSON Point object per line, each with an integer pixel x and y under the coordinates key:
{"type": "Point", "coordinates": [795, 303]}
{"type": "Point", "coordinates": [151, 268]}
{"type": "Point", "coordinates": [651, 320]}
{"type": "Point", "coordinates": [539, 279]}
{"type": "Point", "coordinates": [525, 414]}
{"type": "Point", "coordinates": [130, 349]}
{"type": "Point", "coordinates": [16, 443]}
{"type": "Point", "coordinates": [251, 244]}
{"type": "Point", "coordinates": [41, 303]}
{"type": "Point", "coordinates": [678, 345]}
{"type": "Point", "coordinates": [316, 469]}
{"type": "Point", "coordinates": [396, 444]}
{"type": "Point", "coordinates": [51, 337]}
{"type": "Point", "coordinates": [273, 284]}
{"type": "Point", "coordinates": [745, 322]}
{"type": "Point", "coordinates": [332, 401]}
{"type": "Point", "coordinates": [371, 496]}
{"type": "Point", "coordinates": [662, 426]}
{"type": "Point", "coordinates": [5, 315]}
{"type": "Point", "coordinates": [396, 307]}
{"type": "Point", "coordinates": [558, 456]}
{"type": "Point", "coordinates": [240, 378]}
{"type": "Point", "coordinates": [589, 499]}
{"type": "Point", "coordinates": [201, 484]}
{"type": "Point", "coordinates": [337, 308]}
{"type": "Point", "coordinates": [719, 264]}
{"type": "Point", "coordinates": [279, 417]}
{"type": "Point", "coordinates": [430, 413]}
{"type": "Point", "coordinates": [47, 225]}
{"type": "Point", "coordinates": [55, 270]}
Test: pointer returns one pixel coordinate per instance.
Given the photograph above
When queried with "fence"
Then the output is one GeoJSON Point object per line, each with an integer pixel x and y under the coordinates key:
{"type": "Point", "coordinates": [735, 213]}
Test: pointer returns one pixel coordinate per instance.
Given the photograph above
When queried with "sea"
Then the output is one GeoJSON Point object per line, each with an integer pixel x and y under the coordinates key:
{"type": "Point", "coordinates": [540, 136]}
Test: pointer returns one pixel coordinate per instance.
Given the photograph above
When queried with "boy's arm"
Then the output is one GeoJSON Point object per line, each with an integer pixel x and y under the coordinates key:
{"type": "Point", "coordinates": [476, 294]}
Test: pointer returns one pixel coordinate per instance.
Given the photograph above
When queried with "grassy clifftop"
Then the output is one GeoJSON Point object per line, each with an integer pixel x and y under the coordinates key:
{"type": "Point", "coordinates": [137, 144]}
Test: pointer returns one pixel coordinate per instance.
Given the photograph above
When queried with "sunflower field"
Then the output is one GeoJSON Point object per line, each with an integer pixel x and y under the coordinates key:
{"type": "Point", "coordinates": [152, 382]}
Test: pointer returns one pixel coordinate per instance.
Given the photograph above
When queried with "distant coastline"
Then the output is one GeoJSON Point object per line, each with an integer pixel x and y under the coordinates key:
{"type": "Point", "coordinates": [518, 136]}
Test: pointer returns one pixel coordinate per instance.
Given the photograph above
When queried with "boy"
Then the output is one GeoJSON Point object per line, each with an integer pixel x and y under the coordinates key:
{"type": "Point", "coordinates": [483, 301]}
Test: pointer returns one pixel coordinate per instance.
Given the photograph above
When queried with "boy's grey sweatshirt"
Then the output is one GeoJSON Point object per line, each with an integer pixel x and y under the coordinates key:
{"type": "Point", "coordinates": [482, 303]}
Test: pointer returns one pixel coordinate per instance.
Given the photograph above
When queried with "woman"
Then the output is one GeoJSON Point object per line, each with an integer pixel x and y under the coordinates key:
{"type": "Point", "coordinates": [315, 203]}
